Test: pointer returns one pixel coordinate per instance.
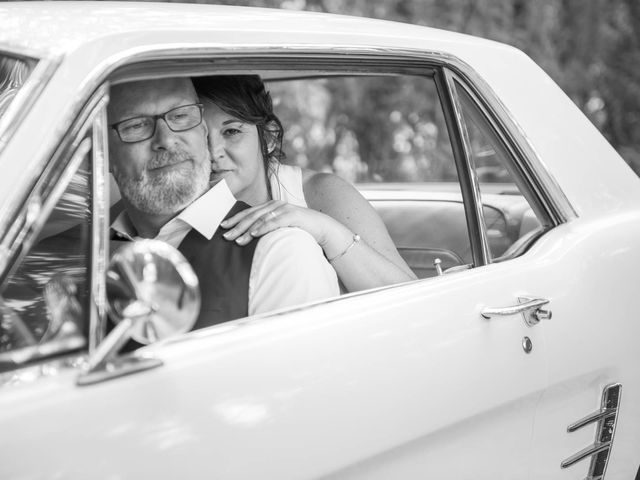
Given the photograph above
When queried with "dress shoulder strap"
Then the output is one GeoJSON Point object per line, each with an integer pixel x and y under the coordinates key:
{"type": "Point", "coordinates": [286, 184]}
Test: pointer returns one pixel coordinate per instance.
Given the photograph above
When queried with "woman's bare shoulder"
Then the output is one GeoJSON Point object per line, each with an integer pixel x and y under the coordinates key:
{"type": "Point", "coordinates": [325, 189]}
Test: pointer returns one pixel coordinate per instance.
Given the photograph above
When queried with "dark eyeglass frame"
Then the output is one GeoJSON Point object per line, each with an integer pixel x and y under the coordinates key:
{"type": "Point", "coordinates": [155, 118]}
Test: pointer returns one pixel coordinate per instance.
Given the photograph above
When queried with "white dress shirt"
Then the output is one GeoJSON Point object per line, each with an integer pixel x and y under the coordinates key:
{"type": "Point", "coordinates": [288, 267]}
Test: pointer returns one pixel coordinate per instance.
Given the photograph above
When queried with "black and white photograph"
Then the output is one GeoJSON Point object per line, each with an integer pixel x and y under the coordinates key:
{"type": "Point", "coordinates": [320, 240]}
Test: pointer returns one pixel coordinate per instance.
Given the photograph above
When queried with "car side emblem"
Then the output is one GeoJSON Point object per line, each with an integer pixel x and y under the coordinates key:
{"type": "Point", "coordinates": [605, 431]}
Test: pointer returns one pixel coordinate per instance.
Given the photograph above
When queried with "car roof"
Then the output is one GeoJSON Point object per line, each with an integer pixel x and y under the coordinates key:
{"type": "Point", "coordinates": [59, 27]}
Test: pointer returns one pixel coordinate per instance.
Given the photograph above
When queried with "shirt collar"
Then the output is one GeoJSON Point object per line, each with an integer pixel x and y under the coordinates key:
{"type": "Point", "coordinates": [204, 214]}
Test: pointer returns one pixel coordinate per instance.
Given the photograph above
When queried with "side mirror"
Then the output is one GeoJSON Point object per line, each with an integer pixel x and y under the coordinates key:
{"type": "Point", "coordinates": [153, 294]}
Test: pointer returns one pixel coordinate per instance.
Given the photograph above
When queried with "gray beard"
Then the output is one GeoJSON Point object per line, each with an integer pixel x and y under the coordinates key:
{"type": "Point", "coordinates": [166, 193]}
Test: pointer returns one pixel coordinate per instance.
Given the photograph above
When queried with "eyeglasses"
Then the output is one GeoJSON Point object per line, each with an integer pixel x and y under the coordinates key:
{"type": "Point", "coordinates": [142, 128]}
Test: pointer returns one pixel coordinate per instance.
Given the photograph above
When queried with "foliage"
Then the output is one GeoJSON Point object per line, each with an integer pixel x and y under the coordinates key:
{"type": "Point", "coordinates": [590, 48]}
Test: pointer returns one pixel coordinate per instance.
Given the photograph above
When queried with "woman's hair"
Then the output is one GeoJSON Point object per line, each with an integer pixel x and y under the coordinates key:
{"type": "Point", "coordinates": [245, 97]}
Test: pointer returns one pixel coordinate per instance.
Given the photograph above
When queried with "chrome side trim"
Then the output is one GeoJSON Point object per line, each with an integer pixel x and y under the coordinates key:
{"type": "Point", "coordinates": [470, 184]}
{"type": "Point", "coordinates": [594, 417]}
{"type": "Point", "coordinates": [587, 452]}
{"type": "Point", "coordinates": [606, 418]}
{"type": "Point", "coordinates": [100, 210]}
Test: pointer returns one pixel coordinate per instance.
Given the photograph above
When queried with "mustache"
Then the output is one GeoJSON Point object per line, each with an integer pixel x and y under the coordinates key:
{"type": "Point", "coordinates": [168, 157]}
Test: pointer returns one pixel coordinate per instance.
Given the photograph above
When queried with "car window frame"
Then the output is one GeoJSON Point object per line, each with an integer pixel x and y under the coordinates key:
{"type": "Point", "coordinates": [89, 128]}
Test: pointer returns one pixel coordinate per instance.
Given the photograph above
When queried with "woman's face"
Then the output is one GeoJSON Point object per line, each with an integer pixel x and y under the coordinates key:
{"type": "Point", "coordinates": [236, 155]}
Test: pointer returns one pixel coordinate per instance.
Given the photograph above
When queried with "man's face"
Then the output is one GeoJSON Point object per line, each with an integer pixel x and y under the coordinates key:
{"type": "Point", "coordinates": [165, 173]}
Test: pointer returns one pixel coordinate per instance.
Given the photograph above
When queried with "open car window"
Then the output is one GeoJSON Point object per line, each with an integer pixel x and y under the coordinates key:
{"type": "Point", "coordinates": [387, 135]}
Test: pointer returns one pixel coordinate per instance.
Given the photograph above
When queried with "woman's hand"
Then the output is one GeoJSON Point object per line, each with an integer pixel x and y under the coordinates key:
{"type": "Point", "coordinates": [261, 219]}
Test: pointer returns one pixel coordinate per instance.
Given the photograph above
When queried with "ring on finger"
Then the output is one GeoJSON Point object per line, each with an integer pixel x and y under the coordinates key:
{"type": "Point", "coordinates": [273, 214]}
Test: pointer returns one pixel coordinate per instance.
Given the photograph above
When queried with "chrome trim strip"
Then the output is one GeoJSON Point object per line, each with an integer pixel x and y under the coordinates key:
{"type": "Point", "coordinates": [593, 417]}
{"type": "Point", "coordinates": [587, 452]}
{"type": "Point", "coordinates": [478, 228]}
{"type": "Point", "coordinates": [607, 418]}
{"type": "Point", "coordinates": [100, 210]}
{"type": "Point", "coordinates": [606, 432]}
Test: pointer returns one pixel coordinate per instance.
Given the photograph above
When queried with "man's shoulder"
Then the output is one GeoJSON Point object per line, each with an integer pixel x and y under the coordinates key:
{"type": "Point", "coordinates": [288, 237]}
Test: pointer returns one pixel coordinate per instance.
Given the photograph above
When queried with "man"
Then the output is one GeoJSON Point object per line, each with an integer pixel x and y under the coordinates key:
{"type": "Point", "coordinates": [161, 163]}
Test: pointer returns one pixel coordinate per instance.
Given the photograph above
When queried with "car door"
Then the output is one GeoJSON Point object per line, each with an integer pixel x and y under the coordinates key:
{"type": "Point", "coordinates": [433, 377]}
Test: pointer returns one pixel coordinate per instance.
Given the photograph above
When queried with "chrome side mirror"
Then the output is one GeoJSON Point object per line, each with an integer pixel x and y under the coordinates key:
{"type": "Point", "coordinates": [153, 294]}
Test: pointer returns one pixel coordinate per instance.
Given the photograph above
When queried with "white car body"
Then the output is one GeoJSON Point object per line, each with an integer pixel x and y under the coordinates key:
{"type": "Point", "coordinates": [404, 381]}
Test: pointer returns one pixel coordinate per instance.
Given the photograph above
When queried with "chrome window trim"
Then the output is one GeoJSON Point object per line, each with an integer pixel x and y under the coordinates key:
{"type": "Point", "coordinates": [99, 226]}
{"type": "Point", "coordinates": [468, 178]}
{"type": "Point", "coordinates": [29, 92]}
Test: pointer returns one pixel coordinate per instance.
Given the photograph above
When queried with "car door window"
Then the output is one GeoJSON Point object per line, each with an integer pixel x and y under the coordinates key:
{"type": "Point", "coordinates": [13, 74]}
{"type": "Point", "coordinates": [387, 135]}
{"type": "Point", "coordinates": [509, 217]}
{"type": "Point", "coordinates": [45, 299]}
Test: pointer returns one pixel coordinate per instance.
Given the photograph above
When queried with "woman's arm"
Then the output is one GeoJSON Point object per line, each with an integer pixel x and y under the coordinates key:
{"type": "Point", "coordinates": [372, 262]}
{"type": "Point", "coordinates": [337, 213]}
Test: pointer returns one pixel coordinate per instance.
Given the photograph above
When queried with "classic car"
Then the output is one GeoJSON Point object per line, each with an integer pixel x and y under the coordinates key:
{"type": "Point", "coordinates": [512, 356]}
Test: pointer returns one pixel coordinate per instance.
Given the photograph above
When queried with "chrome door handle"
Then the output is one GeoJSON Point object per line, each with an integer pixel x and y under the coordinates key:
{"type": "Point", "coordinates": [528, 307]}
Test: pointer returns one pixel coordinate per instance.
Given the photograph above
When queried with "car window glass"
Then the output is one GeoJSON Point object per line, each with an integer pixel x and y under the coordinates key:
{"type": "Point", "coordinates": [13, 74]}
{"type": "Point", "coordinates": [387, 135]}
{"type": "Point", "coordinates": [45, 299]}
{"type": "Point", "coordinates": [509, 219]}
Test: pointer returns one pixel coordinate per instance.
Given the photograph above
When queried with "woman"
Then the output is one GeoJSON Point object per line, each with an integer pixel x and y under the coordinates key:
{"type": "Point", "coordinates": [245, 138]}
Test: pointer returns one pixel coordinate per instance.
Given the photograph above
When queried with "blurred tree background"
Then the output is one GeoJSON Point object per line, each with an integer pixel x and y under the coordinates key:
{"type": "Point", "coordinates": [591, 48]}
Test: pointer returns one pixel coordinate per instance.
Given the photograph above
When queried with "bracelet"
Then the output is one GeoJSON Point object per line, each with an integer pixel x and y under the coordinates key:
{"type": "Point", "coordinates": [356, 239]}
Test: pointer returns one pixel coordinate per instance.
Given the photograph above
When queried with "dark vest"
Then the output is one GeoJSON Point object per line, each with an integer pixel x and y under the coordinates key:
{"type": "Point", "coordinates": [223, 268]}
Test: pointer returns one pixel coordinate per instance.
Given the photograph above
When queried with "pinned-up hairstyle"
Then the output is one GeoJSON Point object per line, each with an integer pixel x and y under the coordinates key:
{"type": "Point", "coordinates": [245, 97]}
